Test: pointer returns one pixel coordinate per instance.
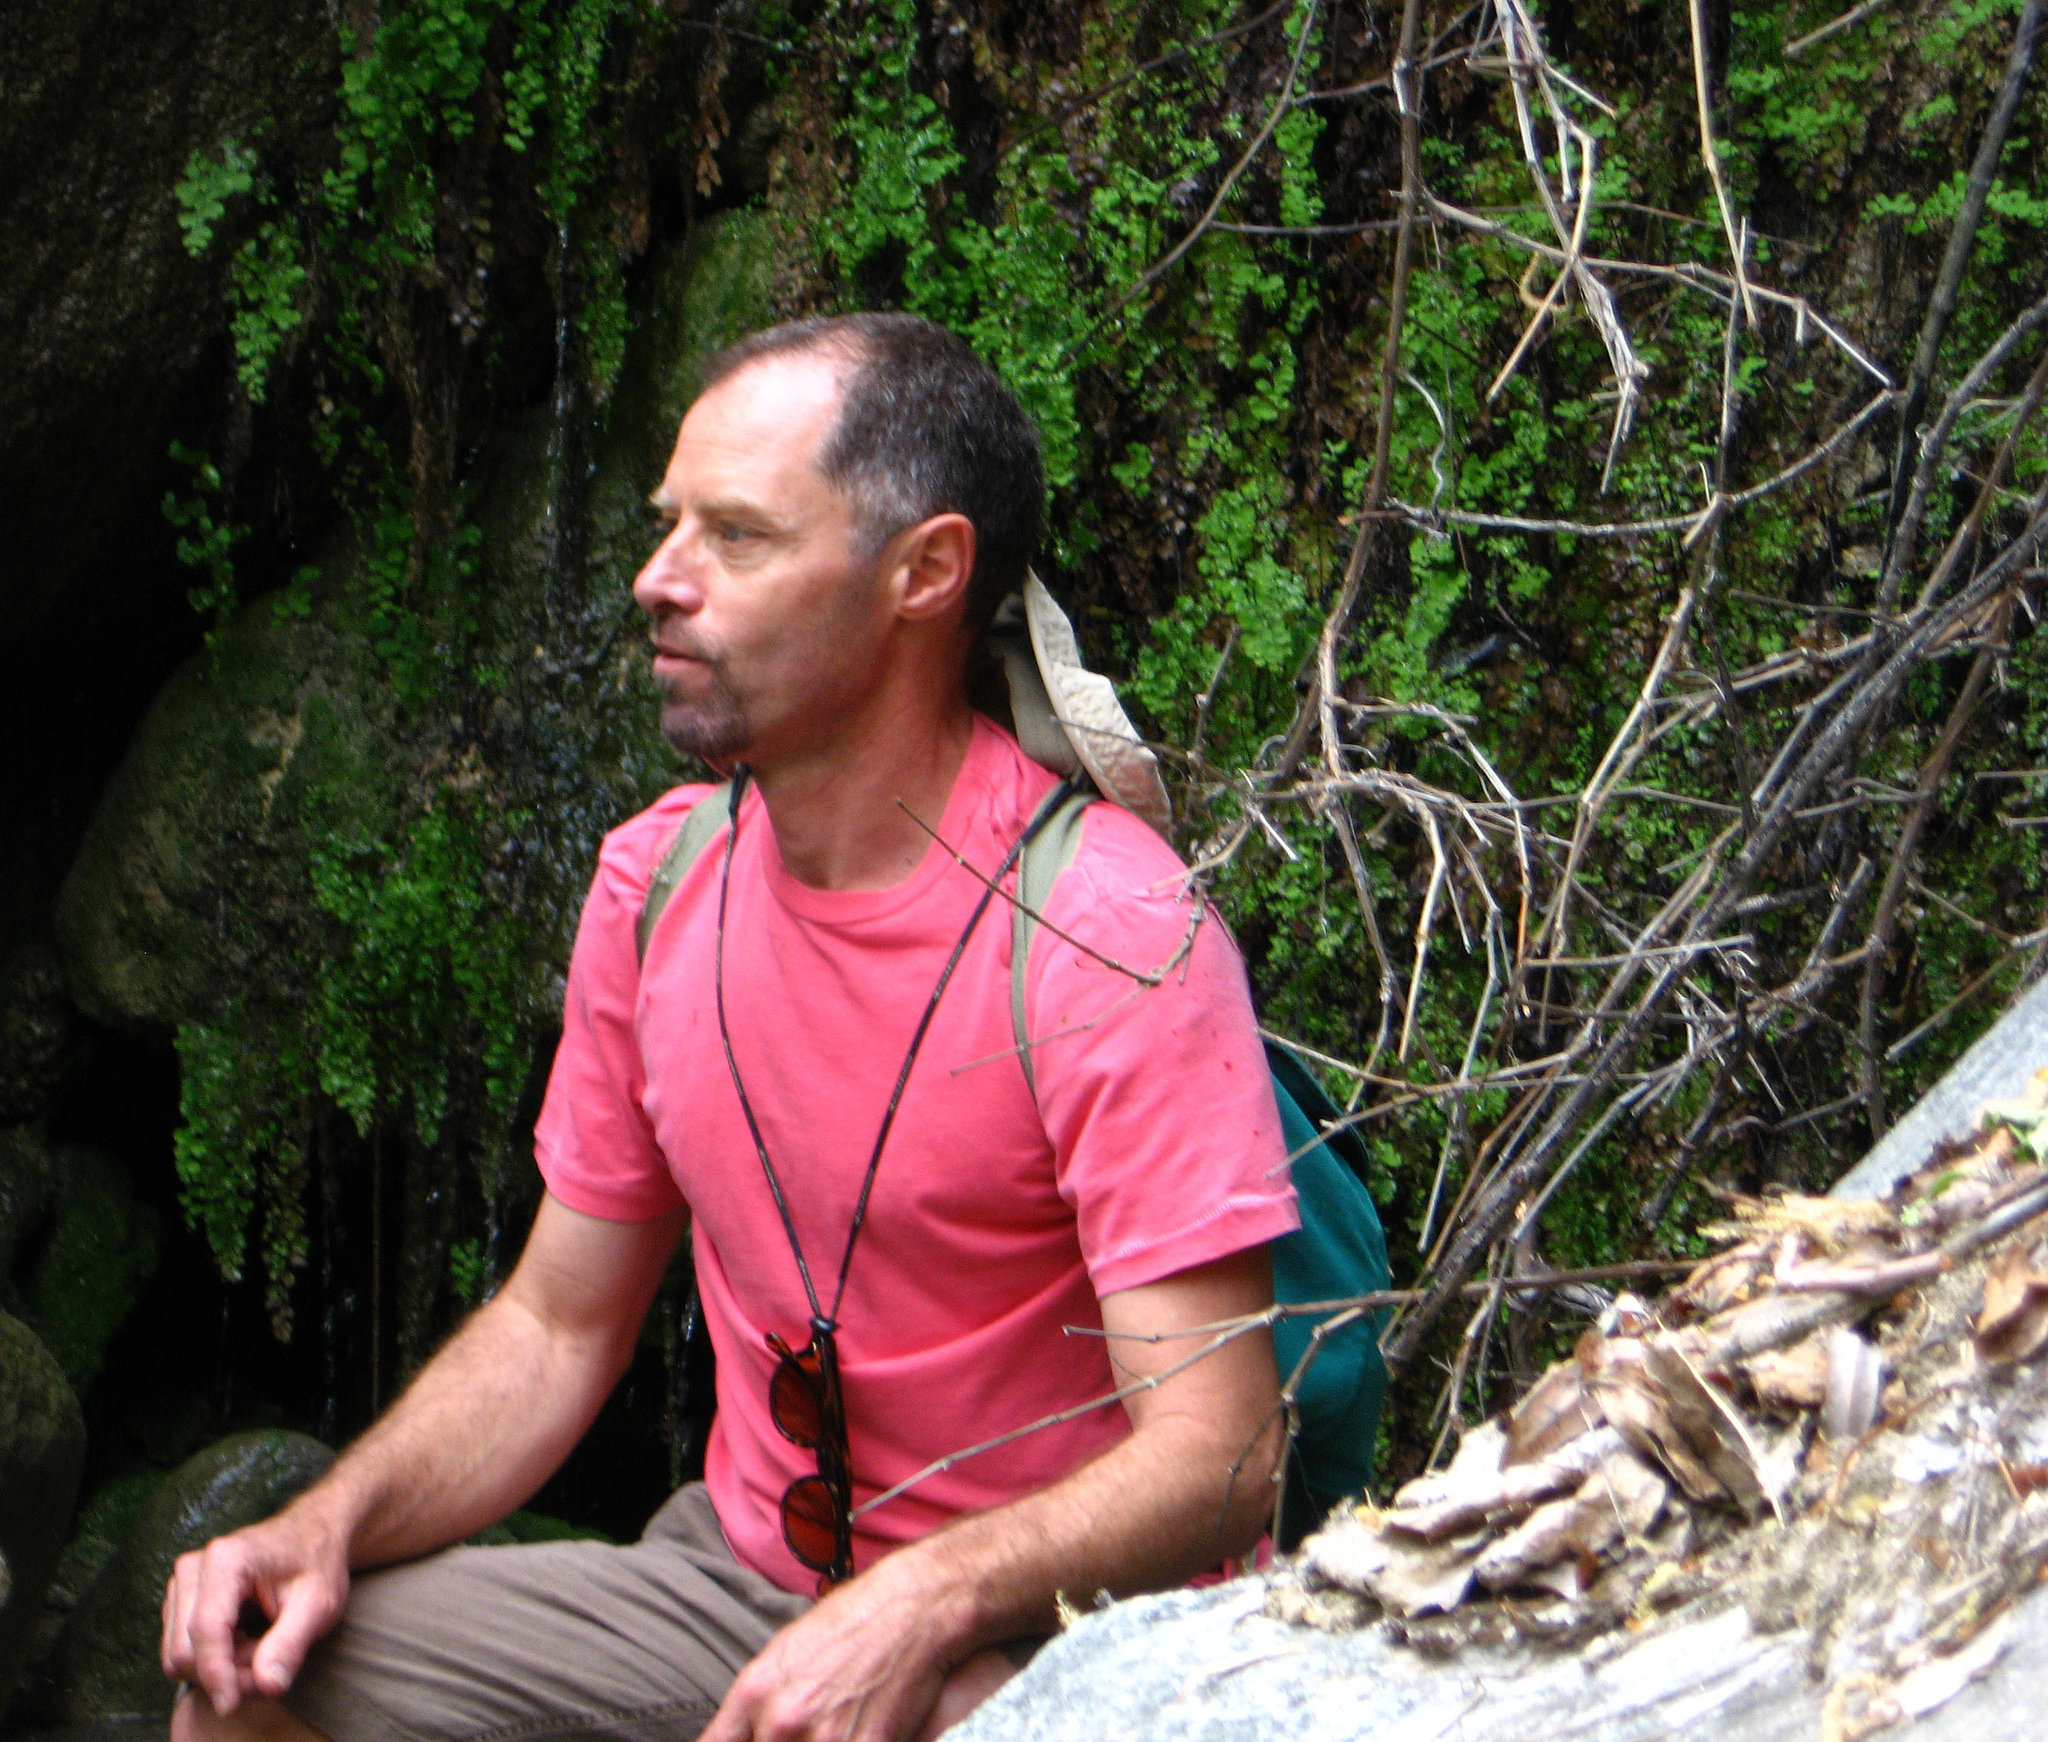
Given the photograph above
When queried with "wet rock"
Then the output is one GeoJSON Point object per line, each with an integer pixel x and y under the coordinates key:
{"type": "Point", "coordinates": [104, 1522]}
{"type": "Point", "coordinates": [42, 1443]}
{"type": "Point", "coordinates": [192, 883]}
{"type": "Point", "coordinates": [283, 778]}
{"type": "Point", "coordinates": [28, 1181]}
{"type": "Point", "coordinates": [76, 1246]}
{"type": "Point", "coordinates": [38, 1033]}
{"type": "Point", "coordinates": [205, 818]}
{"type": "Point", "coordinates": [105, 320]}
{"type": "Point", "coordinates": [100, 1254]}
{"type": "Point", "coordinates": [107, 1661]}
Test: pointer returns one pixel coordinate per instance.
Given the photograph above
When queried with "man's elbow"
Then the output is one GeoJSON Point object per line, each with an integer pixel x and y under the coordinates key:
{"type": "Point", "coordinates": [1252, 1465]}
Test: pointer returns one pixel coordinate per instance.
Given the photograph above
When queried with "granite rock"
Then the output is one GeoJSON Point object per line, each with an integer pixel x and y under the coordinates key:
{"type": "Point", "coordinates": [1211, 1666]}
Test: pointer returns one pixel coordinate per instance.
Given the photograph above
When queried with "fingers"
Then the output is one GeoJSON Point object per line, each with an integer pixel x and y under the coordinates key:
{"type": "Point", "coordinates": [838, 1674]}
{"type": "Point", "coordinates": [967, 1685]}
{"type": "Point", "coordinates": [181, 1596]}
{"type": "Point", "coordinates": [286, 1576]}
{"type": "Point", "coordinates": [307, 1612]}
{"type": "Point", "coordinates": [223, 1580]}
{"type": "Point", "coordinates": [734, 1720]}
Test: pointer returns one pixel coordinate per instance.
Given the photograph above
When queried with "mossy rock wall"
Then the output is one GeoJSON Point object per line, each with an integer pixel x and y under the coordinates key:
{"type": "Point", "coordinates": [206, 817]}
{"type": "Point", "coordinates": [42, 1445]}
{"type": "Point", "coordinates": [353, 901]}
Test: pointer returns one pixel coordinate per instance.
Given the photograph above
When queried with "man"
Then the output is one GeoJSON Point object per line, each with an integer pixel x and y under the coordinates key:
{"type": "Point", "coordinates": [846, 502]}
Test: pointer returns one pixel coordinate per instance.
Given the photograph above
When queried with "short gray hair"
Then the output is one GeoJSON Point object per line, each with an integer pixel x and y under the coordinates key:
{"type": "Point", "coordinates": [925, 427]}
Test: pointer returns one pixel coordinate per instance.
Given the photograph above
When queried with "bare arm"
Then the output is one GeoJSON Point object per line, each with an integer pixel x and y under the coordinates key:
{"type": "Point", "coordinates": [1192, 1484]}
{"type": "Point", "coordinates": [485, 1423]}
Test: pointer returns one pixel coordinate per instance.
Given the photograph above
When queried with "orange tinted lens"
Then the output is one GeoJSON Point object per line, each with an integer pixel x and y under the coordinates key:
{"type": "Point", "coordinates": [810, 1522]}
{"type": "Point", "coordinates": [793, 1402]}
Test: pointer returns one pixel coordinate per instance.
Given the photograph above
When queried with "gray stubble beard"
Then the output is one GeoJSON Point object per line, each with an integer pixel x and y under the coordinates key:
{"type": "Point", "coordinates": [713, 730]}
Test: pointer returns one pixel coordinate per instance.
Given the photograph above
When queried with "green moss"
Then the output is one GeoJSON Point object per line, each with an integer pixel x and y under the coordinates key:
{"type": "Point", "coordinates": [100, 1254]}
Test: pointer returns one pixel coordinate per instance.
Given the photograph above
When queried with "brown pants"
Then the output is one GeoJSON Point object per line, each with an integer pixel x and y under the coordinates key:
{"type": "Point", "coordinates": [548, 1640]}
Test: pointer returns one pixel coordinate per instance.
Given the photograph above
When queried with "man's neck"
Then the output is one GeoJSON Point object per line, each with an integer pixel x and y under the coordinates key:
{"type": "Point", "coordinates": [843, 815]}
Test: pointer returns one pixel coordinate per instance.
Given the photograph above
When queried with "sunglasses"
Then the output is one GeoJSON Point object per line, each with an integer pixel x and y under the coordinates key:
{"type": "Point", "coordinates": [805, 1403]}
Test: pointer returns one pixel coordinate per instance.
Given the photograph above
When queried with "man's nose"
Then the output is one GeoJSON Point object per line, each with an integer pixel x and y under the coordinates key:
{"type": "Point", "coordinates": [670, 579]}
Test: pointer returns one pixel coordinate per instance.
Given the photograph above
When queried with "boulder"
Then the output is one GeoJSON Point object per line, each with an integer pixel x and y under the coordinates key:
{"type": "Point", "coordinates": [108, 1659]}
{"type": "Point", "coordinates": [107, 324]}
{"type": "Point", "coordinates": [42, 1444]}
{"type": "Point", "coordinates": [38, 1032]}
{"type": "Point", "coordinates": [28, 1182]}
{"type": "Point", "coordinates": [1214, 1666]}
{"type": "Point", "coordinates": [1998, 1066]}
{"type": "Point", "coordinates": [204, 816]}
{"type": "Point", "coordinates": [192, 883]}
{"type": "Point", "coordinates": [104, 1522]}
{"type": "Point", "coordinates": [99, 1256]}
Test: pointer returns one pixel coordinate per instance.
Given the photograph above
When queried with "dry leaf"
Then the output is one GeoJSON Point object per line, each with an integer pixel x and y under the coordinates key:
{"type": "Point", "coordinates": [1512, 1491]}
{"type": "Point", "coordinates": [1626, 1493]}
{"type": "Point", "coordinates": [1613, 1372]}
{"type": "Point", "coordinates": [1721, 1282]}
{"type": "Point", "coordinates": [1716, 1430]}
{"type": "Point", "coordinates": [1620, 1499]}
{"type": "Point", "coordinates": [2014, 1322]}
{"type": "Point", "coordinates": [1543, 1539]}
{"type": "Point", "coordinates": [1567, 1579]}
{"type": "Point", "coordinates": [1557, 1409]}
{"type": "Point", "coordinates": [1794, 1378]}
{"type": "Point", "coordinates": [1480, 1454]}
{"type": "Point", "coordinates": [1408, 1577]}
{"type": "Point", "coordinates": [1826, 1224]}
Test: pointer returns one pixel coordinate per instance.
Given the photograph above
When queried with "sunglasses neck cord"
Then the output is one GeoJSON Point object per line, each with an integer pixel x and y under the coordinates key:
{"type": "Point", "coordinates": [822, 1321]}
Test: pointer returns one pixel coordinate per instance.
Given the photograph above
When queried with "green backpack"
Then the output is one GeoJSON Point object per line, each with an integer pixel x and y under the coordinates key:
{"type": "Point", "coordinates": [1338, 1251]}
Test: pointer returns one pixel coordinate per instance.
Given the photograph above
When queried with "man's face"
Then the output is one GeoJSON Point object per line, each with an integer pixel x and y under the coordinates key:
{"type": "Point", "coordinates": [768, 621]}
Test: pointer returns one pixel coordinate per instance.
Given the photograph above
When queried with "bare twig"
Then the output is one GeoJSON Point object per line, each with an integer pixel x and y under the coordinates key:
{"type": "Point", "coordinates": [1834, 27]}
{"type": "Point", "coordinates": [1962, 238]}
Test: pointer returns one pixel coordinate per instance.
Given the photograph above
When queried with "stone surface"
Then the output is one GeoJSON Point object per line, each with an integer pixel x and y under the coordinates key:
{"type": "Point", "coordinates": [107, 1661]}
{"type": "Point", "coordinates": [208, 799]}
{"type": "Point", "coordinates": [1207, 1666]}
{"type": "Point", "coordinates": [104, 1521]}
{"type": "Point", "coordinates": [98, 1257]}
{"type": "Point", "coordinates": [191, 884]}
{"type": "Point", "coordinates": [105, 320]}
{"type": "Point", "coordinates": [38, 1032]}
{"type": "Point", "coordinates": [28, 1183]}
{"type": "Point", "coordinates": [2001, 1063]}
{"type": "Point", "coordinates": [42, 1443]}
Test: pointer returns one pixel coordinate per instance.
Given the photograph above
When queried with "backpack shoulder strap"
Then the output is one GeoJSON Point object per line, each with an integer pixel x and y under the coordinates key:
{"type": "Point", "coordinates": [1048, 850]}
{"type": "Point", "coordinates": [699, 828]}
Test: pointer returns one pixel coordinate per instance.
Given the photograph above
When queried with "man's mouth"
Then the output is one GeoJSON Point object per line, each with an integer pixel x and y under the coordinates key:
{"type": "Point", "coordinates": [668, 658]}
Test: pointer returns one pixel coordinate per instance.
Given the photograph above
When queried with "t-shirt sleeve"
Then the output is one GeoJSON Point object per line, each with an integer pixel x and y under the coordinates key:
{"type": "Point", "coordinates": [1157, 1099]}
{"type": "Point", "coordinates": [593, 1142]}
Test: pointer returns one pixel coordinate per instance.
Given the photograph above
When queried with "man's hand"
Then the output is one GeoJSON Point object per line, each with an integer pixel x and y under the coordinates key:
{"type": "Point", "coordinates": [293, 1567]}
{"type": "Point", "coordinates": [866, 1665]}
{"type": "Point", "coordinates": [901, 1651]}
{"type": "Point", "coordinates": [488, 1420]}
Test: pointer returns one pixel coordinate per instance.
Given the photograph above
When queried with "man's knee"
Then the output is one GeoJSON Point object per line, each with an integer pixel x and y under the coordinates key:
{"type": "Point", "coordinates": [966, 1687]}
{"type": "Point", "coordinates": [193, 1719]}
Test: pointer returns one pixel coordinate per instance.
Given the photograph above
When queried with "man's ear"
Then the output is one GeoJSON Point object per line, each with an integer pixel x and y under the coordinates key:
{"type": "Point", "coordinates": [934, 565]}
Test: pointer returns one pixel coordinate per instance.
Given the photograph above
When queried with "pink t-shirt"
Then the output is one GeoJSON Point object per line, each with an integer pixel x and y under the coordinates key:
{"type": "Point", "coordinates": [995, 1222]}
